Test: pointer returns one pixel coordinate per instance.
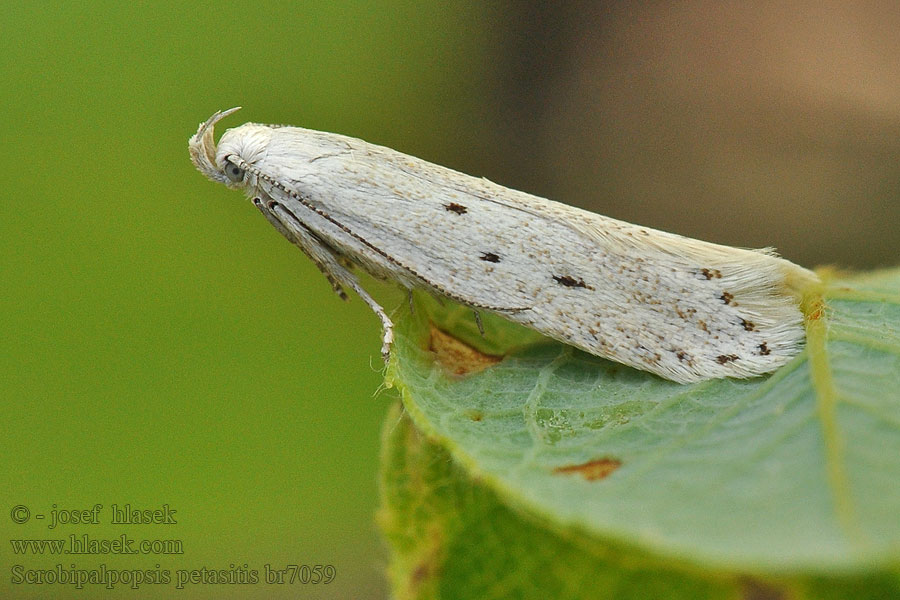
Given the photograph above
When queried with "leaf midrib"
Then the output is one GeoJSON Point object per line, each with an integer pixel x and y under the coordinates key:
{"type": "Point", "coordinates": [826, 394]}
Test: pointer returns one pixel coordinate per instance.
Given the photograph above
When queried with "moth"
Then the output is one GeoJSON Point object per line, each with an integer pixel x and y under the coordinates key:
{"type": "Point", "coordinates": [684, 309]}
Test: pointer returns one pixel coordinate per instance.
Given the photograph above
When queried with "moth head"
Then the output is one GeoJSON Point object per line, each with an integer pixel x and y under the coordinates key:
{"type": "Point", "coordinates": [239, 149]}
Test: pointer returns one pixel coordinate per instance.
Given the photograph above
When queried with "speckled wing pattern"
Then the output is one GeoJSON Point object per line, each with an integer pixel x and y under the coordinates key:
{"type": "Point", "coordinates": [684, 309]}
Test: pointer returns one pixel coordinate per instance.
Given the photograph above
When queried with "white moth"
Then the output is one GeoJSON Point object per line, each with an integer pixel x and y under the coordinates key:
{"type": "Point", "coordinates": [684, 309]}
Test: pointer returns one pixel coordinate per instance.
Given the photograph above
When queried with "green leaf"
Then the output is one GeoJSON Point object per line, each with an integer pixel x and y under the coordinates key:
{"type": "Point", "coordinates": [572, 476]}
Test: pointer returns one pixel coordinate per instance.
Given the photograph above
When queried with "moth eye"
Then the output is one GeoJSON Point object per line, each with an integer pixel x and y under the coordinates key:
{"type": "Point", "coordinates": [233, 172]}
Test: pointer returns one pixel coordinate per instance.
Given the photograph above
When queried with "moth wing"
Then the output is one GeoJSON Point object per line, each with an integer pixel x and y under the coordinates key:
{"type": "Point", "coordinates": [683, 308]}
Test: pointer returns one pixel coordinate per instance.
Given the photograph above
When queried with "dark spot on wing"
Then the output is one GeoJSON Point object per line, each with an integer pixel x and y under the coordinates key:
{"type": "Point", "coordinates": [569, 281]}
{"type": "Point", "coordinates": [764, 349]}
{"type": "Point", "coordinates": [711, 273]}
{"type": "Point", "coordinates": [456, 208]}
{"type": "Point", "coordinates": [748, 325]}
{"type": "Point", "coordinates": [723, 359]}
{"type": "Point", "coordinates": [682, 355]}
{"type": "Point", "coordinates": [726, 297]}
{"type": "Point", "coordinates": [489, 257]}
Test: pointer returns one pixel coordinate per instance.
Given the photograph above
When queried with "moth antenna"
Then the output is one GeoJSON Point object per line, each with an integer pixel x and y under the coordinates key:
{"type": "Point", "coordinates": [202, 147]}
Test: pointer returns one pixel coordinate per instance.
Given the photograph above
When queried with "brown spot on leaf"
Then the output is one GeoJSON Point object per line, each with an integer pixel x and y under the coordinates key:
{"type": "Point", "coordinates": [593, 470]}
{"type": "Point", "coordinates": [815, 310]}
{"type": "Point", "coordinates": [474, 414]}
{"type": "Point", "coordinates": [456, 357]}
{"type": "Point", "coordinates": [419, 573]}
{"type": "Point", "coordinates": [754, 589]}
{"type": "Point", "coordinates": [427, 569]}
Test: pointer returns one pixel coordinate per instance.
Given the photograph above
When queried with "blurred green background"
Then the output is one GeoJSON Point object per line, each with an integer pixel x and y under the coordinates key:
{"type": "Point", "coordinates": [163, 345]}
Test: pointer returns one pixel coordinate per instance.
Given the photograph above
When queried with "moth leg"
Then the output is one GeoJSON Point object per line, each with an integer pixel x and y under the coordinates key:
{"type": "Point", "coordinates": [388, 336]}
{"type": "Point", "coordinates": [277, 224]}
{"type": "Point", "coordinates": [478, 322]}
{"type": "Point", "coordinates": [329, 264]}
